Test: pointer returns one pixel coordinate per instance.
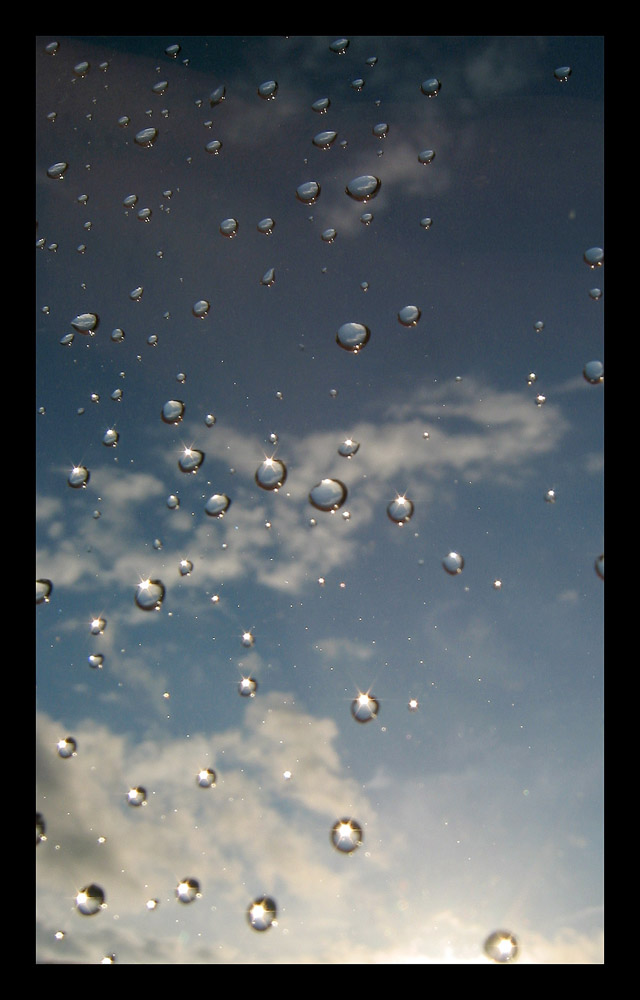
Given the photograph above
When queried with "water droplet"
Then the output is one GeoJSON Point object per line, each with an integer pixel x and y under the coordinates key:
{"type": "Point", "coordinates": [150, 595]}
{"type": "Point", "coordinates": [67, 747]}
{"type": "Point", "coordinates": [328, 495]}
{"type": "Point", "coordinates": [413, 705]}
{"type": "Point", "coordinates": [51, 48]}
{"type": "Point", "coordinates": [217, 96]}
{"type": "Point", "coordinates": [339, 46]}
{"type": "Point", "coordinates": [501, 946]}
{"type": "Point", "coordinates": [41, 828]}
{"type": "Point", "coordinates": [323, 140]}
{"type": "Point", "coordinates": [358, 83]}
{"type": "Point", "coordinates": [213, 147]}
{"type": "Point", "coordinates": [97, 625]}
{"type": "Point", "coordinates": [206, 778]}
{"type": "Point", "coordinates": [540, 400]}
{"type": "Point", "coordinates": [81, 68]}
{"type": "Point", "coordinates": [90, 900]}
{"type": "Point", "coordinates": [595, 293]}
{"type": "Point", "coordinates": [78, 477]}
{"type": "Point", "coordinates": [308, 193]}
{"type": "Point", "coordinates": [124, 121]}
{"type": "Point", "coordinates": [497, 584]}
{"type": "Point", "coordinates": [137, 796]}
{"type": "Point", "coordinates": [594, 372]}
{"type": "Point", "coordinates": [217, 505]}
{"type": "Point", "coordinates": [85, 323]}
{"type": "Point", "coordinates": [271, 474]}
{"type": "Point", "coordinates": [269, 277]}
{"type": "Point", "coordinates": [229, 227]}
{"type": "Point", "coordinates": [328, 236]}
{"type": "Point", "coordinates": [353, 336]}
{"type": "Point", "coordinates": [185, 567]}
{"type": "Point", "coordinates": [348, 448]}
{"type": "Point", "coordinates": [130, 201]}
{"type": "Point", "coordinates": [321, 105]}
{"type": "Point", "coordinates": [265, 226]}
{"type": "Point", "coordinates": [431, 87]}
{"type": "Point", "coordinates": [426, 156]}
{"type": "Point", "coordinates": [173, 50]}
{"type": "Point", "coordinates": [111, 438]}
{"type": "Point", "coordinates": [248, 639]}
{"type": "Point", "coordinates": [562, 73]}
{"type": "Point", "coordinates": [190, 460]}
{"type": "Point", "coordinates": [365, 707]}
{"type": "Point", "coordinates": [201, 308]}
{"type": "Point", "coordinates": [400, 510]}
{"type": "Point", "coordinates": [364, 285]}
{"type": "Point", "coordinates": [209, 420]}
{"type": "Point", "coordinates": [57, 170]}
{"type": "Point", "coordinates": [599, 566]}
{"type": "Point", "coordinates": [160, 87]}
{"type": "Point", "coordinates": [363, 188]}
{"type": "Point", "coordinates": [136, 293]}
{"type": "Point", "coordinates": [346, 835]}
{"type": "Point", "coordinates": [173, 411]}
{"type": "Point", "coordinates": [550, 496]}
{"type": "Point", "coordinates": [146, 137]}
{"type": "Point", "coordinates": [261, 913]}
{"type": "Point", "coordinates": [117, 335]}
{"type": "Point", "coordinates": [187, 890]}
{"type": "Point", "coordinates": [594, 257]}
{"type": "Point", "coordinates": [366, 218]}
{"type": "Point", "coordinates": [268, 90]}
{"type": "Point", "coordinates": [453, 563]}
{"type": "Point", "coordinates": [409, 315]}
{"type": "Point", "coordinates": [43, 591]}
{"type": "Point", "coordinates": [96, 660]}
{"type": "Point", "coordinates": [248, 687]}
{"type": "Point", "coordinates": [380, 130]}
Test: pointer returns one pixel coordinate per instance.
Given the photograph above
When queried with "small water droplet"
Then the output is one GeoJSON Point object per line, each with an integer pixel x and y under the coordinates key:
{"type": "Point", "coordinates": [328, 236]}
{"type": "Point", "coordinates": [217, 505]}
{"type": "Point", "coordinates": [160, 87]}
{"type": "Point", "coordinates": [217, 96]}
{"type": "Point", "coordinates": [413, 705]}
{"type": "Point", "coordinates": [111, 438]}
{"type": "Point", "coordinates": [364, 187]}
{"type": "Point", "coordinates": [594, 257]}
{"type": "Point", "coordinates": [229, 227]}
{"type": "Point", "coordinates": [321, 106]}
{"type": "Point", "coordinates": [266, 225]}
{"type": "Point", "coordinates": [136, 293]}
{"type": "Point", "coordinates": [348, 448]}
{"type": "Point", "coordinates": [358, 83]}
{"type": "Point", "coordinates": [271, 474]}
{"type": "Point", "coordinates": [593, 372]}
{"type": "Point", "coordinates": [173, 411]}
{"type": "Point", "coordinates": [190, 460]}
{"type": "Point", "coordinates": [453, 563]}
{"type": "Point", "coordinates": [550, 496]}
{"type": "Point", "coordinates": [400, 510]}
{"type": "Point", "coordinates": [366, 218]}
{"type": "Point", "coordinates": [430, 87]}
{"type": "Point", "coordinates": [146, 137]}
{"type": "Point", "coordinates": [43, 591]}
{"type": "Point", "coordinates": [328, 495]}
{"type": "Point", "coordinates": [90, 900]}
{"type": "Point", "coordinates": [209, 420]}
{"type": "Point", "coordinates": [324, 140]}
{"type": "Point", "coordinates": [339, 46]}
{"type": "Point", "coordinates": [187, 890]}
{"type": "Point", "coordinates": [346, 835]}
{"type": "Point", "coordinates": [268, 278]}
{"type": "Point", "coordinates": [381, 130]}
{"type": "Point", "coordinates": [96, 660]}
{"type": "Point", "coordinates": [57, 170]}
{"type": "Point", "coordinates": [262, 913]}
{"type": "Point", "coordinates": [67, 747]}
{"type": "Point", "coordinates": [206, 778]}
{"type": "Point", "coordinates": [248, 687]}
{"type": "Point", "coordinates": [201, 308]}
{"type": "Point", "coordinates": [595, 293]}
{"type": "Point", "coordinates": [540, 400]}
{"type": "Point", "coordinates": [426, 156]}
{"type": "Point", "coordinates": [268, 90]}
{"type": "Point", "coordinates": [97, 625]}
{"type": "Point", "coordinates": [130, 201]}
{"type": "Point", "coordinates": [353, 337]}
{"type": "Point", "coordinates": [365, 707]}
{"type": "Point", "coordinates": [213, 147]}
{"type": "Point", "coordinates": [78, 477]}
{"type": "Point", "coordinates": [562, 73]}
{"type": "Point", "coordinates": [501, 946]}
{"type": "Point", "coordinates": [308, 193]}
{"type": "Point", "coordinates": [81, 68]}
{"type": "Point", "coordinates": [186, 567]}
{"type": "Point", "coordinates": [150, 595]}
{"type": "Point", "coordinates": [173, 50]}
{"type": "Point", "coordinates": [409, 315]}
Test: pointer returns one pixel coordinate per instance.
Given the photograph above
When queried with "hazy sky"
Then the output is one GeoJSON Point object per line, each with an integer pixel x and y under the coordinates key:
{"type": "Point", "coordinates": [478, 782]}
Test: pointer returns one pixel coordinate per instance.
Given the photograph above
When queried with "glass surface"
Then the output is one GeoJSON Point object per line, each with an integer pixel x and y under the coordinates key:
{"type": "Point", "coordinates": [319, 452]}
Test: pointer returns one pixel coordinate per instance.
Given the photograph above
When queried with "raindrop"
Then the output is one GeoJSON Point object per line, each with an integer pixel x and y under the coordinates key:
{"type": "Point", "coordinates": [248, 687]}
{"type": "Point", "coordinates": [595, 293]}
{"type": "Point", "coordinates": [594, 372]}
{"type": "Point", "coordinates": [562, 73]}
{"type": "Point", "coordinates": [90, 900]}
{"type": "Point", "coordinates": [111, 438]}
{"type": "Point", "coordinates": [265, 226]}
{"type": "Point", "coordinates": [137, 796]}
{"type": "Point", "coordinates": [85, 323]}
{"type": "Point", "coordinates": [96, 660]}
{"type": "Point", "coordinates": [123, 121]}
{"type": "Point", "coordinates": [57, 171]}
{"type": "Point", "coordinates": [229, 227]}
{"type": "Point", "coordinates": [323, 140]}
{"type": "Point", "coordinates": [78, 477]}
{"type": "Point", "coordinates": [173, 50]}
{"type": "Point", "coordinates": [339, 46]}
{"type": "Point", "coordinates": [43, 591]}
{"type": "Point", "coordinates": [321, 105]}
{"type": "Point", "coordinates": [431, 87]}
{"type": "Point", "coordinates": [187, 890]}
{"type": "Point", "coordinates": [97, 625]}
{"type": "Point", "coordinates": [346, 835]}
{"type": "Point", "coordinates": [426, 156]}
{"type": "Point", "coordinates": [594, 257]}
{"type": "Point", "coordinates": [201, 308]}
{"type": "Point", "coordinates": [146, 137]}
{"type": "Point", "coordinates": [130, 201]}
{"type": "Point", "coordinates": [173, 502]}
{"type": "Point", "coordinates": [136, 293]}
{"type": "Point", "coordinates": [501, 946]}
{"type": "Point", "coordinates": [358, 83]}
{"type": "Point", "coordinates": [248, 639]}
{"type": "Point", "coordinates": [328, 494]}
{"type": "Point", "coordinates": [271, 474]}
{"type": "Point", "coordinates": [209, 420]}
{"type": "Point", "coordinates": [348, 448]}
{"type": "Point", "coordinates": [409, 315]}
{"type": "Point", "coordinates": [217, 505]}
{"type": "Point", "coordinates": [190, 460]}
{"type": "Point", "coordinates": [308, 193]}
{"type": "Point", "coordinates": [366, 218]}
{"type": "Point", "coordinates": [173, 411]}
{"type": "Point", "coordinates": [150, 595]}
{"type": "Point", "coordinates": [268, 278]}
{"type": "Point", "coordinates": [329, 235]}
{"type": "Point", "coordinates": [413, 705]}
{"type": "Point", "coordinates": [365, 707]}
{"type": "Point", "coordinates": [185, 567]}
{"type": "Point", "coordinates": [81, 68]}
{"type": "Point", "coordinates": [540, 400]}
{"type": "Point", "coordinates": [268, 90]}
{"type": "Point", "coordinates": [213, 147]}
{"type": "Point", "coordinates": [117, 335]}
{"type": "Point", "coordinates": [453, 563]}
{"type": "Point", "coordinates": [400, 510]}
{"type": "Point", "coordinates": [353, 336]}
{"type": "Point", "coordinates": [380, 130]}
{"type": "Point", "coordinates": [550, 496]}
{"type": "Point", "coordinates": [160, 86]}
{"type": "Point", "coordinates": [217, 96]}
{"type": "Point", "coordinates": [261, 913]}
{"type": "Point", "coordinates": [363, 188]}
{"type": "Point", "coordinates": [206, 778]}
{"type": "Point", "coordinates": [41, 827]}
{"type": "Point", "coordinates": [67, 747]}
{"type": "Point", "coordinates": [599, 566]}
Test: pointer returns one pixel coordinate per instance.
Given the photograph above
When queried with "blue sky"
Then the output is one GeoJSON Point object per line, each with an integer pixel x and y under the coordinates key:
{"type": "Point", "coordinates": [481, 809]}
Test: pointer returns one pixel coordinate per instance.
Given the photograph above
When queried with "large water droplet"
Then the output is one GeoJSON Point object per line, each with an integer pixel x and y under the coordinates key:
{"type": "Point", "coordinates": [348, 448]}
{"type": "Point", "coordinates": [57, 170]}
{"type": "Point", "coordinates": [90, 900]}
{"type": "Point", "coordinates": [217, 505]}
{"type": "Point", "coordinates": [248, 687]}
{"type": "Point", "coordinates": [201, 308]}
{"type": "Point", "coordinates": [363, 188]}
{"type": "Point", "coordinates": [78, 477]}
{"type": "Point", "coordinates": [308, 193]}
{"type": "Point", "coordinates": [501, 946]}
{"type": "Point", "coordinates": [594, 257]}
{"type": "Point", "coordinates": [266, 226]}
{"type": "Point", "coordinates": [271, 474]}
{"type": "Point", "coordinates": [409, 315]}
{"type": "Point", "coordinates": [268, 90]}
{"type": "Point", "coordinates": [328, 494]}
{"type": "Point", "coordinates": [85, 323]}
{"type": "Point", "coordinates": [150, 595]}
{"type": "Point", "coordinates": [322, 105]}
{"type": "Point", "coordinates": [339, 46]}
{"type": "Point", "coordinates": [146, 137]}
{"type": "Point", "coordinates": [365, 707]}
{"type": "Point", "coordinates": [173, 411]}
{"type": "Point", "coordinates": [217, 96]}
{"type": "Point", "coordinates": [400, 510]}
{"type": "Point", "coordinates": [190, 460]}
{"type": "Point", "coordinates": [261, 913]}
{"type": "Point", "coordinates": [594, 372]}
{"type": "Point", "coordinates": [323, 140]}
{"type": "Point", "coordinates": [453, 563]}
{"type": "Point", "coordinates": [43, 591]}
{"type": "Point", "coordinates": [206, 778]}
{"type": "Point", "coordinates": [67, 747]}
{"type": "Point", "coordinates": [137, 796]}
{"type": "Point", "coordinates": [426, 156]}
{"type": "Point", "coordinates": [346, 835]}
{"type": "Point", "coordinates": [431, 87]}
{"type": "Point", "coordinates": [229, 227]}
{"type": "Point", "coordinates": [353, 336]}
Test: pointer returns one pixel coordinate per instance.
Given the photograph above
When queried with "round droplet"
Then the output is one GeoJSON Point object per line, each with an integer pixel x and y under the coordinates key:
{"type": "Point", "coordinates": [430, 87]}
{"type": "Point", "coordinates": [111, 438]}
{"type": "Point", "coordinates": [229, 227]}
{"type": "Point", "coordinates": [67, 747]}
{"type": "Point", "coordinates": [43, 591]}
{"type": "Point", "coordinates": [453, 563]}
{"type": "Point", "coordinates": [328, 494]}
{"type": "Point", "coordinates": [248, 687]}
{"type": "Point", "coordinates": [78, 477]}
{"type": "Point", "coordinates": [173, 411]}
{"type": "Point", "coordinates": [400, 510]}
{"type": "Point", "coordinates": [266, 226]}
{"type": "Point", "coordinates": [380, 130]}
{"type": "Point", "coordinates": [57, 171]}
{"type": "Point", "coordinates": [90, 900]}
{"type": "Point", "coordinates": [217, 96]}
{"type": "Point", "coordinates": [409, 315]}
{"type": "Point", "coordinates": [550, 496]}
{"type": "Point", "coordinates": [206, 778]}
{"type": "Point", "coordinates": [187, 890]}
{"type": "Point", "coordinates": [501, 946]}
{"type": "Point", "coordinates": [322, 105]}
{"type": "Point", "coordinates": [339, 46]}
{"type": "Point", "coordinates": [268, 90]}
{"type": "Point", "coordinates": [540, 400]}
{"type": "Point", "coordinates": [81, 68]}
{"type": "Point", "coordinates": [146, 137]}
{"type": "Point", "coordinates": [323, 140]}
{"type": "Point", "coordinates": [217, 505]}
{"type": "Point", "coordinates": [185, 567]}
{"type": "Point", "coordinates": [348, 448]}
{"type": "Point", "coordinates": [366, 218]}
{"type": "Point", "coordinates": [117, 335]}
{"type": "Point", "coordinates": [213, 147]}
{"type": "Point", "coordinates": [136, 293]}
{"type": "Point", "coordinates": [599, 566]}
{"type": "Point", "coordinates": [426, 156]}
{"type": "Point", "coordinates": [562, 73]}
{"type": "Point", "coordinates": [96, 660]}
{"type": "Point", "coordinates": [346, 835]}
{"type": "Point", "coordinates": [271, 474]}
{"type": "Point", "coordinates": [261, 913]}
{"type": "Point", "coordinates": [363, 188]}
{"type": "Point", "coordinates": [137, 796]}
{"type": "Point", "coordinates": [594, 372]}
{"type": "Point", "coordinates": [413, 705]}
{"type": "Point", "coordinates": [85, 323]}
{"type": "Point", "coordinates": [201, 308]}
{"type": "Point", "coordinates": [150, 595]}
{"type": "Point", "coordinates": [308, 193]}
{"type": "Point", "coordinates": [353, 336]}
{"type": "Point", "coordinates": [173, 50]}
{"type": "Point", "coordinates": [190, 460]}
{"type": "Point", "coordinates": [426, 223]}
{"type": "Point", "coordinates": [595, 293]}
{"type": "Point", "coordinates": [173, 502]}
{"type": "Point", "coordinates": [594, 257]}
{"type": "Point", "coordinates": [358, 83]}
{"type": "Point", "coordinates": [97, 625]}
{"type": "Point", "coordinates": [209, 420]}
{"type": "Point", "coordinates": [328, 235]}
{"type": "Point", "coordinates": [248, 639]}
{"type": "Point", "coordinates": [365, 707]}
